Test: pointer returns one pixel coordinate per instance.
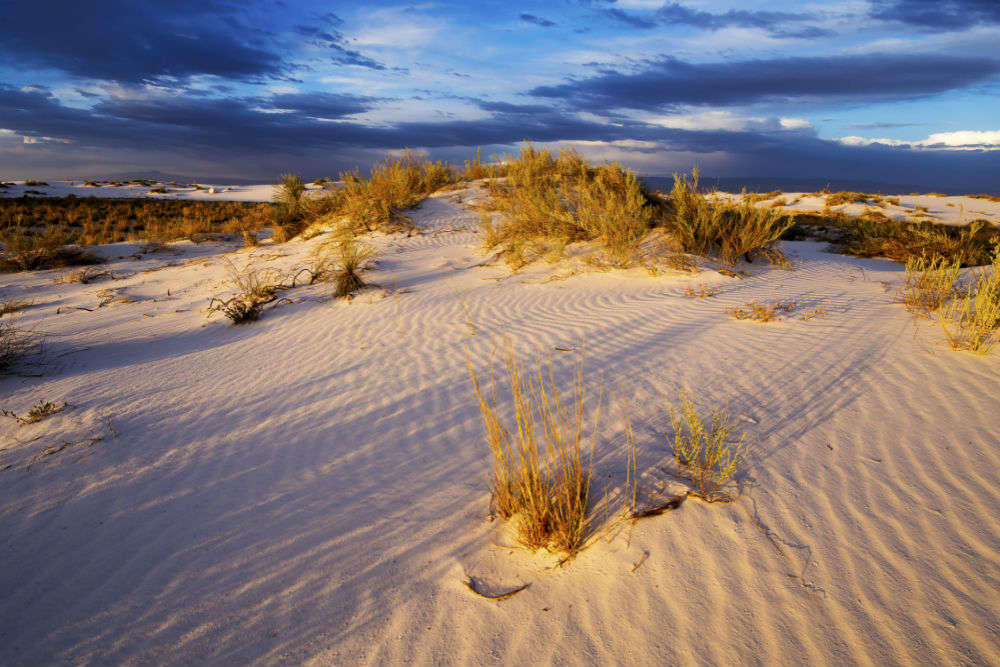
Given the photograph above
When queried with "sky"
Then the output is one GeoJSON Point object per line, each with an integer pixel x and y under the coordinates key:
{"type": "Point", "coordinates": [898, 91]}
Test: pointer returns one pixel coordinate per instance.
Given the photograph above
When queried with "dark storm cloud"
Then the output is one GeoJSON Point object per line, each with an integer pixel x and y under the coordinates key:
{"type": "Point", "coordinates": [506, 107]}
{"type": "Point", "coordinates": [671, 81]}
{"type": "Point", "coordinates": [193, 128]}
{"type": "Point", "coordinates": [537, 20]}
{"type": "Point", "coordinates": [131, 41]}
{"type": "Point", "coordinates": [938, 14]}
{"type": "Point", "coordinates": [322, 105]}
{"type": "Point", "coordinates": [675, 13]}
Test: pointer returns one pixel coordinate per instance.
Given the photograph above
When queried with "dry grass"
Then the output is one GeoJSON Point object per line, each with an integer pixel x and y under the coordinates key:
{"type": "Point", "coordinates": [254, 288]}
{"type": "Point", "coordinates": [839, 198]}
{"type": "Point", "coordinates": [702, 292]}
{"type": "Point", "coordinates": [353, 256]}
{"type": "Point", "coordinates": [707, 226]}
{"type": "Point", "coordinates": [26, 251]}
{"type": "Point", "coordinates": [15, 344]}
{"type": "Point", "coordinates": [541, 468]}
{"type": "Point", "coordinates": [545, 197]}
{"type": "Point", "coordinates": [814, 313]}
{"type": "Point", "coordinates": [971, 319]}
{"type": "Point", "coordinates": [93, 220]}
{"type": "Point", "coordinates": [754, 310]}
{"type": "Point", "coordinates": [37, 413]}
{"type": "Point", "coordinates": [970, 245]}
{"type": "Point", "coordinates": [706, 453]}
{"type": "Point", "coordinates": [11, 306]}
{"type": "Point", "coordinates": [930, 283]}
{"type": "Point", "coordinates": [377, 202]}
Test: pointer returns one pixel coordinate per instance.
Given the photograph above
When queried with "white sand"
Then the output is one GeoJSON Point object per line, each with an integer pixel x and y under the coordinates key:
{"type": "Point", "coordinates": [311, 488]}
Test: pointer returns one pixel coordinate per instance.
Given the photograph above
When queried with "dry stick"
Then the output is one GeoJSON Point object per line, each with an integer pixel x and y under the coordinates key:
{"type": "Point", "coordinates": [470, 583]}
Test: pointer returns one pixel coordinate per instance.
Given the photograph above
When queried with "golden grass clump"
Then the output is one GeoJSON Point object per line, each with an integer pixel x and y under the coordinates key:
{"type": "Point", "coordinates": [930, 283]}
{"type": "Point", "coordinates": [971, 319]}
{"type": "Point", "coordinates": [704, 226]}
{"type": "Point", "coordinates": [545, 197]}
{"type": "Point", "coordinates": [706, 453]}
{"type": "Point", "coordinates": [377, 202]}
{"type": "Point", "coordinates": [353, 256]}
{"type": "Point", "coordinates": [541, 468]}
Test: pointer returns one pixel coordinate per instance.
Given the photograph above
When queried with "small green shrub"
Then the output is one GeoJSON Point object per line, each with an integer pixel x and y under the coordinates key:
{"type": "Point", "coordinates": [706, 453]}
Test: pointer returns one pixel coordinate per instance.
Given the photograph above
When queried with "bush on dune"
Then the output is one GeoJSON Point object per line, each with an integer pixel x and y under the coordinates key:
{"type": "Point", "coordinates": [563, 199]}
{"type": "Point", "coordinates": [27, 251]}
{"type": "Point", "coordinates": [708, 226]}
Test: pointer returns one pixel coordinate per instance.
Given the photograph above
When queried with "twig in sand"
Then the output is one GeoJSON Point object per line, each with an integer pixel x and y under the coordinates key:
{"type": "Point", "coordinates": [659, 509]}
{"type": "Point", "coordinates": [470, 583]}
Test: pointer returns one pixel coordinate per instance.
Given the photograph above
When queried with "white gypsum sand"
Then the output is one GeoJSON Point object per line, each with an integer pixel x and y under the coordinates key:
{"type": "Point", "coordinates": [311, 488]}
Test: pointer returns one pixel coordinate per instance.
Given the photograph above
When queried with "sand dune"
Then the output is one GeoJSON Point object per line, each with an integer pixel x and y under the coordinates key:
{"type": "Point", "coordinates": [311, 488]}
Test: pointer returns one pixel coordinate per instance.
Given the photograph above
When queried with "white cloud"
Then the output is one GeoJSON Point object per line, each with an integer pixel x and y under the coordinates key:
{"type": "Point", "coordinates": [957, 140]}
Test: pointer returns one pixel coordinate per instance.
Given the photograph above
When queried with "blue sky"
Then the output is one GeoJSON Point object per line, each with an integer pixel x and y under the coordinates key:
{"type": "Point", "coordinates": [901, 91]}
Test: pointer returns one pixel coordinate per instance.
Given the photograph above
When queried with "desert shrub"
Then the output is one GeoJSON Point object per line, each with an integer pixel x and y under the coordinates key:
{"type": "Point", "coordinates": [353, 256]}
{"type": "Point", "coordinates": [254, 288]}
{"type": "Point", "coordinates": [708, 226]}
{"type": "Point", "coordinates": [930, 283]}
{"type": "Point", "coordinates": [971, 319]}
{"type": "Point", "coordinates": [548, 197]}
{"type": "Point", "coordinates": [27, 251]}
{"type": "Point", "coordinates": [35, 184]}
{"type": "Point", "coordinates": [706, 453]}
{"type": "Point", "coordinates": [12, 306]}
{"type": "Point", "coordinates": [541, 471]}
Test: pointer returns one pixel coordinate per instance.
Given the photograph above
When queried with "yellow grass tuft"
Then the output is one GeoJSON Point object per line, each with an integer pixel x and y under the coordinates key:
{"type": "Point", "coordinates": [930, 283]}
{"type": "Point", "coordinates": [970, 321]}
{"type": "Point", "coordinates": [541, 468]}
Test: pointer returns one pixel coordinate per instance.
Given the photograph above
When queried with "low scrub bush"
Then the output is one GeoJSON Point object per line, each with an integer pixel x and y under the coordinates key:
{"type": "Point", "coordinates": [545, 197]}
{"type": "Point", "coordinates": [254, 289]}
{"type": "Point", "coordinates": [731, 230]}
{"type": "Point", "coordinates": [899, 241]}
{"type": "Point", "coordinates": [541, 468]}
{"type": "Point", "coordinates": [707, 453]}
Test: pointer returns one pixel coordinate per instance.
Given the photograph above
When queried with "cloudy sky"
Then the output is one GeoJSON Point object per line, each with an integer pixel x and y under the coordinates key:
{"type": "Point", "coordinates": [904, 91]}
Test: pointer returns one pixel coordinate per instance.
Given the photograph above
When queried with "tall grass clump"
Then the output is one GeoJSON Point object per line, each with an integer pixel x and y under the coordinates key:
{"type": "Point", "coordinates": [970, 321]}
{"type": "Point", "coordinates": [541, 468]}
{"type": "Point", "coordinates": [353, 256]}
{"type": "Point", "coordinates": [707, 453]}
{"type": "Point", "coordinates": [729, 230]}
{"type": "Point", "coordinates": [564, 199]}
{"type": "Point", "coordinates": [254, 288]}
{"type": "Point", "coordinates": [930, 283]}
{"type": "Point", "coordinates": [377, 202]}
